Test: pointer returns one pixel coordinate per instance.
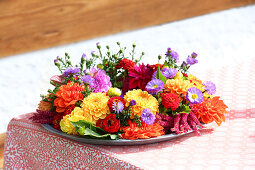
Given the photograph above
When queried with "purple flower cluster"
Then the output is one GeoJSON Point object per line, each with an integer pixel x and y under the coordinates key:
{"type": "Point", "coordinates": [173, 54]}
{"type": "Point", "coordinates": [166, 72]}
{"type": "Point", "coordinates": [147, 116]}
{"type": "Point", "coordinates": [71, 71]}
{"type": "Point", "coordinates": [210, 87]}
{"type": "Point", "coordinates": [87, 79]}
{"type": "Point", "coordinates": [191, 60]}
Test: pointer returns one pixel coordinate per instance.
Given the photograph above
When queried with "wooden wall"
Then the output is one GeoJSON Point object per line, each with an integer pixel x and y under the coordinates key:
{"type": "Point", "coordinates": [27, 25]}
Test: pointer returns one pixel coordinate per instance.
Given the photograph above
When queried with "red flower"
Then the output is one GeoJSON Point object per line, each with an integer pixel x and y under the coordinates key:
{"type": "Point", "coordinates": [56, 120]}
{"type": "Point", "coordinates": [155, 66]}
{"type": "Point", "coordinates": [185, 75]}
{"type": "Point", "coordinates": [115, 100]}
{"type": "Point", "coordinates": [69, 110]}
{"type": "Point", "coordinates": [170, 100]}
{"type": "Point", "coordinates": [139, 76]}
{"type": "Point", "coordinates": [109, 124]}
{"type": "Point", "coordinates": [126, 64]}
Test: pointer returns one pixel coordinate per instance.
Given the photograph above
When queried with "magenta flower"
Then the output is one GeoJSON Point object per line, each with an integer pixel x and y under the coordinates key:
{"type": "Point", "coordinates": [194, 95]}
{"type": "Point", "coordinates": [210, 87]}
{"type": "Point", "coordinates": [139, 76]}
{"type": "Point", "coordinates": [155, 86]}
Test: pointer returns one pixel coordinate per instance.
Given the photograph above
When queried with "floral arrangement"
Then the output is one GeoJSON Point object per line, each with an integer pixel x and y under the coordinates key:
{"type": "Point", "coordinates": [122, 98]}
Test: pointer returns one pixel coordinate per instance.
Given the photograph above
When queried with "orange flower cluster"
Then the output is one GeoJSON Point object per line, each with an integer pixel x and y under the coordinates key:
{"type": "Point", "coordinates": [133, 132]}
{"type": "Point", "coordinates": [210, 110]}
{"type": "Point", "coordinates": [67, 95]}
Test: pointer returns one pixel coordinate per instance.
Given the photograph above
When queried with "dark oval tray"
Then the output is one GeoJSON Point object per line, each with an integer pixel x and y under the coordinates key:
{"type": "Point", "coordinates": [120, 142]}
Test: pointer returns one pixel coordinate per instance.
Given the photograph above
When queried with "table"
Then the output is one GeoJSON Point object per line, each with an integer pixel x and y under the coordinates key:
{"type": "Point", "coordinates": [230, 146]}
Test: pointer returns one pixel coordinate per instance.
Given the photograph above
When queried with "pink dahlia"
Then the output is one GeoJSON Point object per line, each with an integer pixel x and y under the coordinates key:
{"type": "Point", "coordinates": [102, 81]}
{"type": "Point", "coordinates": [140, 76]}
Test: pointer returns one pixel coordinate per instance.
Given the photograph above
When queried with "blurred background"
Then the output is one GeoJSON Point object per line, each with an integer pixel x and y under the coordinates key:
{"type": "Point", "coordinates": [34, 33]}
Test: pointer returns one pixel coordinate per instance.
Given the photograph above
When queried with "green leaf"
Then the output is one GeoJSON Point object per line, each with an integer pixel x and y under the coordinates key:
{"type": "Point", "coordinates": [182, 109]}
{"type": "Point", "coordinates": [85, 128]}
{"type": "Point", "coordinates": [160, 76]}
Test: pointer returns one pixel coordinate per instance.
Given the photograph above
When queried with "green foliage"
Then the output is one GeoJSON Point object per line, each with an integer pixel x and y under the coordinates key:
{"type": "Point", "coordinates": [160, 76]}
{"type": "Point", "coordinates": [87, 129]}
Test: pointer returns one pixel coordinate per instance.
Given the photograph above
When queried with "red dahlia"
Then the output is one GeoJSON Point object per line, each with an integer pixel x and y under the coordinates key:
{"type": "Point", "coordinates": [139, 76]}
{"type": "Point", "coordinates": [126, 64]}
{"type": "Point", "coordinates": [170, 100]}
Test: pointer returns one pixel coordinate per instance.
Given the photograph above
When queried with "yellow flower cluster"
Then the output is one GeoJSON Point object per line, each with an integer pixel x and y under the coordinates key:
{"type": "Point", "coordinates": [143, 100]}
{"type": "Point", "coordinates": [96, 106]}
{"type": "Point", "coordinates": [66, 125]}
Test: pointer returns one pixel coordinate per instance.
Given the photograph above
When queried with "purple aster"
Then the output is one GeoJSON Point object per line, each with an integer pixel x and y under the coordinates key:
{"type": "Point", "coordinates": [175, 56]}
{"type": "Point", "coordinates": [118, 107]}
{"type": "Point", "coordinates": [98, 43]}
{"type": "Point", "coordinates": [169, 73]}
{"type": "Point", "coordinates": [191, 60]}
{"type": "Point", "coordinates": [194, 55]}
{"type": "Point", "coordinates": [147, 116]}
{"type": "Point", "coordinates": [154, 86]}
{"type": "Point", "coordinates": [56, 60]}
{"type": "Point", "coordinates": [84, 56]}
{"type": "Point", "coordinates": [194, 95]}
{"type": "Point", "coordinates": [102, 81]}
{"type": "Point", "coordinates": [71, 70]}
{"type": "Point", "coordinates": [87, 79]}
{"type": "Point", "coordinates": [132, 103]}
{"type": "Point", "coordinates": [210, 87]}
{"type": "Point", "coordinates": [92, 52]}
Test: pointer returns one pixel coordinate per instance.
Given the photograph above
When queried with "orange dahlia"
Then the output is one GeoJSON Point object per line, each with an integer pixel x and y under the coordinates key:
{"type": "Point", "coordinates": [146, 131]}
{"type": "Point", "coordinates": [44, 106]}
{"type": "Point", "coordinates": [67, 95]}
{"type": "Point", "coordinates": [210, 110]}
{"type": "Point", "coordinates": [177, 86]}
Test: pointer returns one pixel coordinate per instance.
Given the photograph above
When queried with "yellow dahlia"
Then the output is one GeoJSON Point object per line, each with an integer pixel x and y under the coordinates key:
{"type": "Point", "coordinates": [143, 100]}
{"type": "Point", "coordinates": [96, 106]}
{"type": "Point", "coordinates": [199, 84]}
{"type": "Point", "coordinates": [66, 125]}
{"type": "Point", "coordinates": [177, 86]}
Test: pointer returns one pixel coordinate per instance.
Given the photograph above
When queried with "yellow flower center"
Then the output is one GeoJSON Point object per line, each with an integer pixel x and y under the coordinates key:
{"type": "Point", "coordinates": [155, 86]}
{"type": "Point", "coordinates": [194, 96]}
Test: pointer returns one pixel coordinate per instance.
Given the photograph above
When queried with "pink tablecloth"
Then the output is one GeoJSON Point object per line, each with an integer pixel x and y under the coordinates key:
{"type": "Point", "coordinates": [230, 146]}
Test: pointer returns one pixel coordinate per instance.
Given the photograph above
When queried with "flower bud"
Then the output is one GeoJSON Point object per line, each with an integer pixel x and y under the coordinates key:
{"type": "Point", "coordinates": [107, 47]}
{"type": "Point", "coordinates": [118, 43]}
{"type": "Point", "coordinates": [113, 91]}
{"type": "Point", "coordinates": [134, 45]}
{"type": "Point", "coordinates": [100, 66]}
{"type": "Point", "coordinates": [178, 75]}
{"type": "Point", "coordinates": [159, 57]}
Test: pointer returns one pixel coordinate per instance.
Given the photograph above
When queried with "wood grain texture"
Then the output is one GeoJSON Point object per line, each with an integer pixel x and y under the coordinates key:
{"type": "Point", "coordinates": [2, 139]}
{"type": "Point", "coordinates": [29, 25]}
